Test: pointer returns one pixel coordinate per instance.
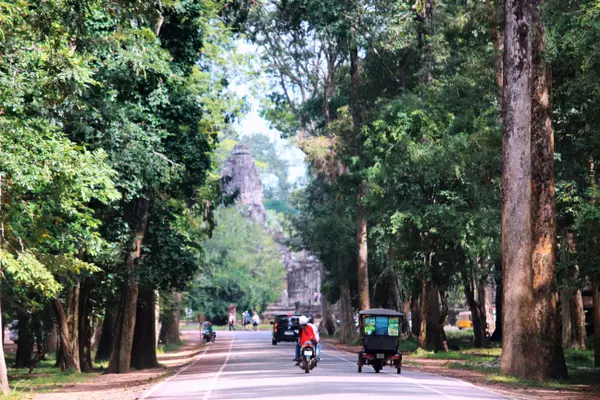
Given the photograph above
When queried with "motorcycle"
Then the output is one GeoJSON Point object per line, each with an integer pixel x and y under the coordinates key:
{"type": "Point", "coordinates": [208, 336]}
{"type": "Point", "coordinates": [308, 356]}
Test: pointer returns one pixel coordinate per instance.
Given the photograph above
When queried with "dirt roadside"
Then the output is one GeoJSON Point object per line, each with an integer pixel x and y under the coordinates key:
{"type": "Point", "coordinates": [480, 379]}
{"type": "Point", "coordinates": [132, 385]}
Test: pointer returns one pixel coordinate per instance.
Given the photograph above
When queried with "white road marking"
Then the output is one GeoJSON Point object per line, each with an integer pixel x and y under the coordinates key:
{"type": "Point", "coordinates": [158, 385]}
{"type": "Point", "coordinates": [216, 378]}
{"type": "Point", "coordinates": [399, 376]}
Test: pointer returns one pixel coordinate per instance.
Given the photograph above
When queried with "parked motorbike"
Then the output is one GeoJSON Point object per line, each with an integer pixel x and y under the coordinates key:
{"type": "Point", "coordinates": [308, 356]}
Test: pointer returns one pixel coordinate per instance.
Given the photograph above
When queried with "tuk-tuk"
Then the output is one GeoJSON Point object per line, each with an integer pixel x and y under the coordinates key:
{"type": "Point", "coordinates": [379, 333]}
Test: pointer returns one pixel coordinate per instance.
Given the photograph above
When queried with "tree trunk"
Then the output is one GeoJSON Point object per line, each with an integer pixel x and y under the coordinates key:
{"type": "Point", "coordinates": [444, 318]}
{"type": "Point", "coordinates": [3, 369]}
{"type": "Point", "coordinates": [435, 333]}
{"type": "Point", "coordinates": [4, 324]}
{"type": "Point", "coordinates": [327, 87]}
{"type": "Point", "coordinates": [394, 300]}
{"type": "Point", "coordinates": [120, 358]}
{"type": "Point", "coordinates": [476, 316]}
{"type": "Point", "coordinates": [423, 315]}
{"type": "Point", "coordinates": [52, 339]}
{"type": "Point", "coordinates": [172, 327]}
{"type": "Point", "coordinates": [85, 329]}
{"type": "Point", "coordinates": [25, 345]}
{"type": "Point", "coordinates": [407, 310]}
{"type": "Point", "coordinates": [361, 244]}
{"type": "Point", "coordinates": [550, 353]}
{"type": "Point", "coordinates": [414, 313]}
{"type": "Point", "coordinates": [596, 318]}
{"type": "Point", "coordinates": [328, 323]}
{"type": "Point", "coordinates": [573, 319]}
{"type": "Point", "coordinates": [66, 356]}
{"type": "Point", "coordinates": [497, 335]}
{"type": "Point", "coordinates": [565, 312]}
{"type": "Point", "coordinates": [157, 324]}
{"type": "Point", "coordinates": [347, 327]}
{"type": "Point", "coordinates": [361, 217]}
{"type": "Point", "coordinates": [73, 323]}
{"type": "Point", "coordinates": [143, 353]}
{"type": "Point", "coordinates": [484, 294]}
{"type": "Point", "coordinates": [519, 332]}
{"type": "Point", "coordinates": [106, 338]}
{"type": "Point", "coordinates": [577, 321]}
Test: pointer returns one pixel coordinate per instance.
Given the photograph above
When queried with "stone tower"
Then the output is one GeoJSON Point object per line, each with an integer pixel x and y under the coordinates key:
{"type": "Point", "coordinates": [241, 181]}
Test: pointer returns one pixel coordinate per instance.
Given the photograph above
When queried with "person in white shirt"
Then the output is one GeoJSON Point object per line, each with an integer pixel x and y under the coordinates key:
{"type": "Point", "coordinates": [256, 321]}
{"type": "Point", "coordinates": [316, 331]}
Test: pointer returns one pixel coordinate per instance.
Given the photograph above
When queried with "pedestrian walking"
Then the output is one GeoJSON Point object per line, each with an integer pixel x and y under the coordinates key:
{"type": "Point", "coordinates": [231, 321]}
{"type": "Point", "coordinates": [248, 320]}
{"type": "Point", "coordinates": [256, 321]}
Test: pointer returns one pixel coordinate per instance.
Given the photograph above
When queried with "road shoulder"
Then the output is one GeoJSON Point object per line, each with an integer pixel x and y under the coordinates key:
{"type": "Point", "coordinates": [132, 385]}
{"type": "Point", "coordinates": [481, 379]}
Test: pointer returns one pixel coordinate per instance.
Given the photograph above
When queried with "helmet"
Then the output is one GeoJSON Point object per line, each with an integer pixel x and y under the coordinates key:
{"type": "Point", "coordinates": [303, 320]}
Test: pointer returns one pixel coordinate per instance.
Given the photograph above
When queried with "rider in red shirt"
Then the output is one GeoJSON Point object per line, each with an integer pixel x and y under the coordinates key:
{"type": "Point", "coordinates": [308, 333]}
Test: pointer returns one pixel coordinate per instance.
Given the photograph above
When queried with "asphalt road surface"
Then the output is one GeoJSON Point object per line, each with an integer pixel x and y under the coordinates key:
{"type": "Point", "coordinates": [245, 365]}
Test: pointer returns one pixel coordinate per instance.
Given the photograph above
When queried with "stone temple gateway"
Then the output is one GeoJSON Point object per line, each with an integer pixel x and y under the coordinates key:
{"type": "Point", "coordinates": [241, 181]}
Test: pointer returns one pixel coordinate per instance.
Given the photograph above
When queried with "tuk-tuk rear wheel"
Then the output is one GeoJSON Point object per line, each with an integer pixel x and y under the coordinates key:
{"type": "Point", "coordinates": [359, 369]}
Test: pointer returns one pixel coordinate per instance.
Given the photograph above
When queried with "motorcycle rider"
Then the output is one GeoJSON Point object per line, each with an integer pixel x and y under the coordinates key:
{"type": "Point", "coordinates": [308, 333]}
{"type": "Point", "coordinates": [209, 331]}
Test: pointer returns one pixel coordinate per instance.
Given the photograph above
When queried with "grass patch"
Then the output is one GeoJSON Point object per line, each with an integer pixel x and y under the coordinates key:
{"type": "Point", "coordinates": [580, 365]}
{"type": "Point", "coordinates": [474, 367]}
{"type": "Point", "coordinates": [197, 328]}
{"type": "Point", "coordinates": [262, 327]}
{"type": "Point", "coordinates": [168, 348]}
{"type": "Point", "coordinates": [575, 378]}
{"type": "Point", "coordinates": [45, 377]}
{"type": "Point", "coordinates": [459, 340]}
{"type": "Point", "coordinates": [408, 345]}
{"type": "Point", "coordinates": [579, 358]}
{"type": "Point", "coordinates": [456, 355]}
{"type": "Point", "coordinates": [412, 363]}
{"type": "Point", "coordinates": [190, 327]}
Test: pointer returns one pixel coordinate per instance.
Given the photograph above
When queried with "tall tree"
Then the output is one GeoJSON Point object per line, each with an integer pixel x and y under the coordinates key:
{"type": "Point", "coordinates": [545, 287]}
{"type": "Point", "coordinates": [519, 334]}
{"type": "Point", "coordinates": [529, 211]}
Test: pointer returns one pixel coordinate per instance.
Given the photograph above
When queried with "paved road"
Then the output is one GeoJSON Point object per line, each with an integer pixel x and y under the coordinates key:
{"type": "Point", "coordinates": [244, 365]}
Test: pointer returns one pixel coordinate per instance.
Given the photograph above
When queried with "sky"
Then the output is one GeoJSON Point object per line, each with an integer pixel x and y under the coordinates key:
{"type": "Point", "coordinates": [253, 123]}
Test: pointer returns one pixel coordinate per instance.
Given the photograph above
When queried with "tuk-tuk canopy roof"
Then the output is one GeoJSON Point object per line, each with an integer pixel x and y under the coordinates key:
{"type": "Point", "coordinates": [381, 311]}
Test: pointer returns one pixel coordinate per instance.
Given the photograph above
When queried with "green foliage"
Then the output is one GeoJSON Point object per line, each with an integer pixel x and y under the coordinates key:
{"type": "Point", "coordinates": [325, 225]}
{"type": "Point", "coordinates": [102, 104]}
{"type": "Point", "coordinates": [428, 154]}
{"type": "Point", "coordinates": [573, 41]}
{"type": "Point", "coordinates": [241, 265]}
